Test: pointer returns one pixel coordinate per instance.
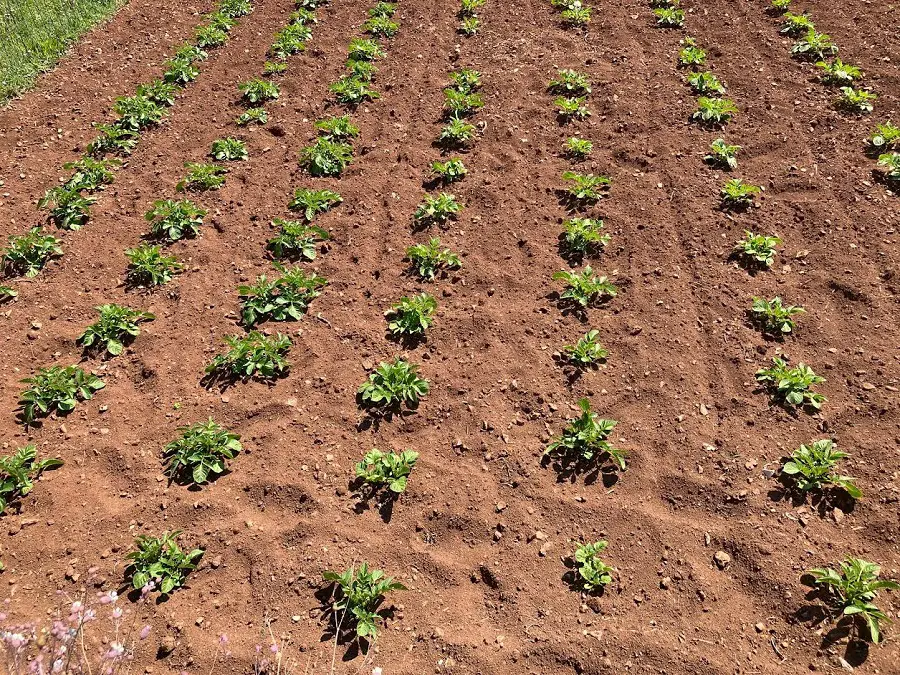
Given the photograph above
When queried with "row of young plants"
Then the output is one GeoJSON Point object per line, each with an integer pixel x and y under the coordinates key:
{"type": "Point", "coordinates": [820, 49]}
{"type": "Point", "coordinates": [69, 204]}
{"type": "Point", "coordinates": [812, 467]}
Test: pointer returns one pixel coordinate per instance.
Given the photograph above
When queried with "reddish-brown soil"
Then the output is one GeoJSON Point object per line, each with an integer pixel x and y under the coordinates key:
{"type": "Point", "coordinates": [485, 595]}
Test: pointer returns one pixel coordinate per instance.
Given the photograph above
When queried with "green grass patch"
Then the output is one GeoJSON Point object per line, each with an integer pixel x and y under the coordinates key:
{"type": "Point", "coordinates": [34, 34]}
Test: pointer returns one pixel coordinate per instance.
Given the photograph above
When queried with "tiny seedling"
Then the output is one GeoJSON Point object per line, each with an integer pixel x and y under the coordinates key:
{"type": "Point", "coordinates": [814, 46]}
{"type": "Point", "coordinates": [202, 450]}
{"type": "Point", "coordinates": [583, 236]}
{"type": "Point", "coordinates": [274, 68]}
{"type": "Point", "coordinates": [412, 316]}
{"type": "Point", "coordinates": [312, 202]}
{"type": "Point", "coordinates": [285, 298]}
{"type": "Point", "coordinates": [386, 470]}
{"type": "Point", "coordinates": [587, 288]}
{"type": "Point", "coordinates": [576, 14]}
{"type": "Point", "coordinates": [356, 596]}
{"type": "Point", "coordinates": [428, 259]}
{"type": "Point", "coordinates": [812, 467]}
{"type": "Point", "coordinates": [148, 266]}
{"type": "Point", "coordinates": [704, 83]}
{"type": "Point", "coordinates": [361, 49]}
{"type": "Point", "coordinates": [885, 136]}
{"type": "Point", "coordinates": [669, 17]}
{"type": "Point", "coordinates": [296, 239]}
{"type": "Point", "coordinates": [457, 133]}
{"type": "Point", "coordinates": [796, 25]}
{"type": "Point", "coordinates": [28, 253]}
{"type": "Point", "coordinates": [383, 9]}
{"type": "Point", "coordinates": [780, 5]}
{"type": "Point", "coordinates": [470, 7]}
{"type": "Point", "coordinates": [137, 112]}
{"type": "Point", "coordinates": [174, 220]}
{"type": "Point", "coordinates": [588, 351]}
{"type": "Point", "coordinates": [57, 388]}
{"type": "Point", "coordinates": [722, 155]}
{"type": "Point", "coordinates": [337, 128]}
{"type": "Point", "coordinates": [258, 91]}
{"type": "Point", "coordinates": [351, 90]}
{"type": "Point", "coordinates": [593, 573]}
{"type": "Point", "coordinates": [791, 386]}
{"type": "Point", "coordinates": [569, 108]}
{"type": "Point", "coordinates": [303, 16]}
{"type": "Point", "coordinates": [586, 187]}
{"type": "Point", "coordinates": [437, 210]}
{"type": "Point", "coordinates": [838, 73]}
{"type": "Point", "coordinates": [585, 441]}
{"type": "Point", "coordinates": [326, 158]}
{"type": "Point", "coordinates": [116, 326]}
{"type": "Point", "coordinates": [691, 55]}
{"type": "Point", "coordinates": [737, 195]}
{"type": "Point", "coordinates": [229, 149]}
{"type": "Point", "coordinates": [714, 112]}
{"type": "Point", "coordinates": [201, 177]}
{"type": "Point", "coordinates": [469, 26]}
{"type": "Point", "coordinates": [90, 174]}
{"type": "Point", "coordinates": [450, 171]}
{"type": "Point", "coordinates": [252, 116]}
{"type": "Point", "coordinates": [851, 592]}
{"type": "Point", "coordinates": [160, 561]}
{"type": "Point", "coordinates": [458, 104]}
{"type": "Point", "coordinates": [891, 163]}
{"type": "Point", "coordinates": [570, 82]}
{"type": "Point", "coordinates": [773, 316]}
{"type": "Point", "coordinates": [394, 384]}
{"type": "Point", "coordinates": [757, 249]}
{"type": "Point", "coordinates": [466, 80]}
{"type": "Point", "coordinates": [113, 139]}
{"type": "Point", "coordinates": [18, 473]}
{"type": "Point", "coordinates": [70, 210]}
{"type": "Point", "coordinates": [381, 27]}
{"type": "Point", "coordinates": [856, 100]}
{"type": "Point", "coordinates": [254, 355]}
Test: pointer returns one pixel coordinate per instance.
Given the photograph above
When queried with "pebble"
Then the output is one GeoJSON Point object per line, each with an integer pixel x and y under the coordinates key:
{"type": "Point", "coordinates": [722, 559]}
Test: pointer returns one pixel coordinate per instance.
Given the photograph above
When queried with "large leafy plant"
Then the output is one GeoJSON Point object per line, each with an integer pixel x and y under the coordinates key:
{"type": "Point", "coordinates": [254, 355]}
{"type": "Point", "coordinates": [791, 386]}
{"type": "Point", "coordinates": [149, 266]}
{"type": "Point", "coordinates": [258, 91]}
{"type": "Point", "coordinates": [201, 177]}
{"type": "Point", "coordinates": [394, 384]}
{"type": "Point", "coordinates": [57, 388]}
{"type": "Point", "coordinates": [583, 236]}
{"type": "Point", "coordinates": [137, 112]}
{"type": "Point", "coordinates": [117, 324]}
{"type": "Point", "coordinates": [70, 210]}
{"type": "Point", "coordinates": [285, 298]}
{"type": "Point", "coordinates": [586, 187]}
{"type": "Point", "coordinates": [812, 467]}
{"type": "Point", "coordinates": [90, 174]}
{"type": "Point", "coordinates": [585, 441]}
{"type": "Point", "coordinates": [357, 594]}
{"type": "Point", "coordinates": [351, 90]}
{"type": "Point", "coordinates": [28, 253]}
{"type": "Point", "coordinates": [814, 46]}
{"type": "Point", "coordinates": [202, 450]}
{"type": "Point", "coordinates": [19, 471]}
{"type": "Point", "coordinates": [160, 561]}
{"type": "Point", "coordinates": [229, 149]}
{"type": "Point", "coordinates": [326, 157]}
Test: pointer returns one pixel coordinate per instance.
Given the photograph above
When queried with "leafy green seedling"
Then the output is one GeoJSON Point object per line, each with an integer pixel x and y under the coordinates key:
{"type": "Point", "coordinates": [90, 174]}
{"type": "Point", "coordinates": [576, 14]}
{"type": "Point", "coordinates": [70, 210]}
{"type": "Point", "coordinates": [295, 239]}
{"type": "Point", "coordinates": [812, 467]}
{"type": "Point", "coordinates": [838, 73]}
{"type": "Point", "coordinates": [285, 298]}
{"type": "Point", "coordinates": [585, 441]}
{"type": "Point", "coordinates": [437, 210]}
{"type": "Point", "coordinates": [364, 50]}
{"type": "Point", "coordinates": [796, 25]}
{"type": "Point", "coordinates": [588, 351]}
{"type": "Point", "coordinates": [361, 70]}
{"type": "Point", "coordinates": [780, 5]}
{"type": "Point", "coordinates": [57, 388]}
{"type": "Point", "coordinates": [235, 8]}
{"type": "Point", "coordinates": [586, 187]}
{"type": "Point", "coordinates": [577, 148]}
{"type": "Point", "coordinates": [137, 112]}
{"type": "Point", "coordinates": [691, 54]}
{"type": "Point", "coordinates": [773, 316]}
{"type": "Point", "coordinates": [737, 195]}
{"type": "Point", "coordinates": [891, 163]}
{"type": "Point", "coordinates": [669, 17]}
{"type": "Point", "coordinates": [201, 177]}
{"type": "Point", "coordinates": [357, 595]}
{"type": "Point", "coordinates": [290, 40]}
{"type": "Point", "coordinates": [706, 83]}
{"type": "Point", "coordinates": [180, 71]}
{"type": "Point", "coordinates": [457, 133]}
{"type": "Point", "coordinates": [351, 91]}
{"type": "Point", "coordinates": [569, 108]}
{"type": "Point", "coordinates": [386, 470]}
{"type": "Point", "coordinates": [714, 112]}
{"type": "Point", "coordinates": [326, 158]}
{"type": "Point", "coordinates": [312, 202]}
{"type": "Point", "coordinates": [202, 450]}
{"type": "Point", "coordinates": [851, 591]}
{"type": "Point", "coordinates": [7, 293]}
{"type": "Point", "coordinates": [19, 471]}
{"type": "Point", "coordinates": [383, 9]}
{"type": "Point", "coordinates": [174, 220]}
{"type": "Point", "coordinates": [791, 386]}
{"type": "Point", "coordinates": [570, 82]}
{"type": "Point", "coordinates": [470, 7]}
{"type": "Point", "coordinates": [856, 100]}
{"type": "Point", "coordinates": [381, 27]}
{"type": "Point", "coordinates": [159, 561]}
{"type": "Point", "coordinates": [885, 136]}
{"type": "Point", "coordinates": [593, 573]}
{"type": "Point", "coordinates": [337, 128]}
{"type": "Point", "coordinates": [113, 139]}
{"type": "Point", "coordinates": [258, 91]}
{"type": "Point", "coordinates": [458, 104]}
{"type": "Point", "coordinates": [304, 16]}
{"type": "Point", "coordinates": [274, 68]}
{"type": "Point", "coordinates": [428, 259]}
{"type": "Point", "coordinates": [254, 355]}
{"type": "Point", "coordinates": [469, 26]}
{"type": "Point", "coordinates": [392, 385]}
{"type": "Point", "coordinates": [450, 171]}
{"type": "Point", "coordinates": [587, 288]}
{"type": "Point", "coordinates": [412, 316]}
{"type": "Point", "coordinates": [116, 326]}
{"type": "Point", "coordinates": [229, 150]}
{"type": "Point", "coordinates": [466, 80]}
{"type": "Point", "coordinates": [757, 249]}
{"type": "Point", "coordinates": [722, 155]}
{"type": "Point", "coordinates": [191, 53]}
{"type": "Point", "coordinates": [583, 236]}
{"type": "Point", "coordinates": [210, 37]}
{"type": "Point", "coordinates": [814, 46]}
{"type": "Point", "coordinates": [148, 266]}
{"type": "Point", "coordinates": [28, 253]}
{"type": "Point", "coordinates": [252, 116]}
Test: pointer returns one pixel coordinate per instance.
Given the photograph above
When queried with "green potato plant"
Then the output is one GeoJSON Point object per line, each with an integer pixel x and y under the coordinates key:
{"type": "Point", "coordinates": [577, 148]}
{"type": "Point", "coordinates": [437, 210]}
{"type": "Point", "coordinates": [274, 68]}
{"type": "Point", "coordinates": [812, 467]}
{"type": "Point", "coordinates": [326, 158]}
{"type": "Point", "coordinates": [856, 101]}
{"type": "Point", "coordinates": [70, 210]}
{"type": "Point", "coordinates": [392, 385]}
{"type": "Point", "coordinates": [337, 128]}
{"type": "Point", "coordinates": [583, 236]}
{"type": "Point", "coordinates": [313, 202]}
{"type": "Point", "coordinates": [254, 355]}
{"type": "Point", "coordinates": [714, 112]}
{"type": "Point", "coordinates": [571, 108]}
{"type": "Point", "coordinates": [57, 388]}
{"type": "Point", "coordinates": [202, 450]}
{"type": "Point", "coordinates": [113, 139]}
{"type": "Point", "coordinates": [136, 113]}
{"type": "Point", "coordinates": [290, 40]}
{"type": "Point", "coordinates": [457, 133]}
{"type": "Point", "coordinates": [235, 9]}
{"type": "Point", "coordinates": [285, 298]}
{"type": "Point", "coordinates": [466, 80]}
{"type": "Point", "coordinates": [210, 37]}
{"type": "Point", "coordinates": [576, 14]}
{"type": "Point", "coordinates": [351, 91]}
{"type": "Point", "coordinates": [412, 316]}
{"type": "Point", "coordinates": [588, 351]}
{"type": "Point", "coordinates": [428, 259]}
{"type": "Point", "coordinates": [258, 91]}
{"type": "Point", "coordinates": [851, 591]}
{"type": "Point", "coordinates": [470, 7]}
{"type": "Point", "coordinates": [458, 104]}
{"type": "Point", "coordinates": [90, 174]}
{"type": "Point", "coordinates": [469, 26]}
{"type": "Point", "coordinates": [229, 150]}
{"type": "Point", "coordinates": [885, 136]}
{"type": "Point", "coordinates": [361, 70]}
{"type": "Point", "coordinates": [791, 386]}
{"type": "Point", "coordinates": [381, 27]}
{"type": "Point", "coordinates": [202, 177]}
{"type": "Point", "coordinates": [891, 163]}
{"type": "Point", "coordinates": [691, 55]}
{"type": "Point", "coordinates": [587, 288]}
{"type": "Point", "coordinates": [180, 71]}
{"type": "Point", "coordinates": [161, 562]}
{"type": "Point", "coordinates": [838, 73]}
{"type": "Point", "coordinates": [7, 293]}
{"type": "Point", "coordinates": [669, 17]}
{"type": "Point", "coordinates": [584, 443]}
{"type": "Point", "coordinates": [756, 249]}
{"type": "Point", "coordinates": [780, 6]}
{"type": "Point", "coordinates": [450, 171]}
{"type": "Point", "coordinates": [364, 49]}
{"type": "Point", "coordinates": [569, 83]}
{"type": "Point", "coordinates": [252, 116]}
{"type": "Point", "coordinates": [295, 239]}
{"type": "Point", "coordinates": [356, 596]}
{"type": "Point", "coordinates": [386, 470]}
{"type": "Point", "coordinates": [148, 266]}
{"type": "Point", "coordinates": [28, 253]}
{"type": "Point", "coordinates": [796, 25]}
{"type": "Point", "coordinates": [586, 187]}
{"type": "Point", "coordinates": [383, 9]}
{"type": "Point", "coordinates": [737, 195]}
{"type": "Point", "coordinates": [774, 317]}
{"type": "Point", "coordinates": [593, 573]}
{"type": "Point", "coordinates": [814, 46]}
{"type": "Point", "coordinates": [722, 155]}
{"type": "Point", "coordinates": [174, 220]}
{"type": "Point", "coordinates": [116, 326]}
{"type": "Point", "coordinates": [704, 83]}
{"type": "Point", "coordinates": [19, 471]}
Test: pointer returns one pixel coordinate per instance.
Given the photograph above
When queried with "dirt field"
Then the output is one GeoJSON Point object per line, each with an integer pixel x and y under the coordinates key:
{"type": "Point", "coordinates": [480, 536]}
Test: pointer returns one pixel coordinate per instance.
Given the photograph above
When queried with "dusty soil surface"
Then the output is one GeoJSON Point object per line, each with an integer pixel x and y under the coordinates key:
{"type": "Point", "coordinates": [480, 535]}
